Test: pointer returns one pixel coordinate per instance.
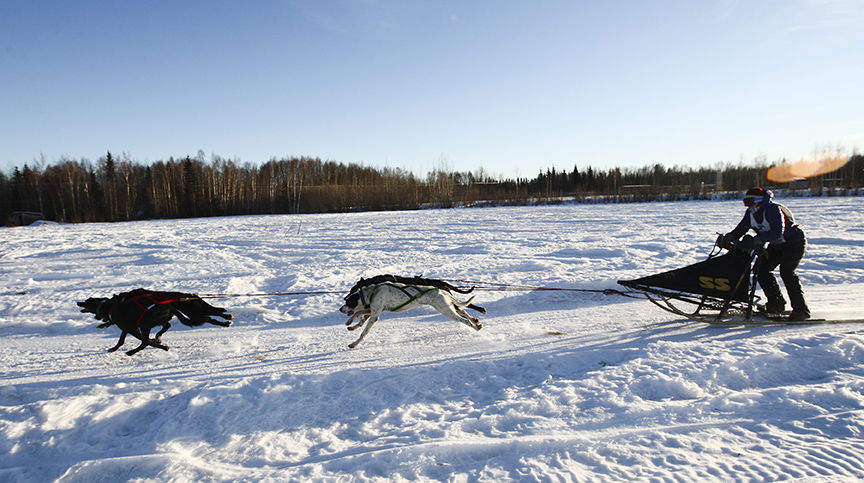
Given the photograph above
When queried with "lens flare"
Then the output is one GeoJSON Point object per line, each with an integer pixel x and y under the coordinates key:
{"type": "Point", "coordinates": [786, 172]}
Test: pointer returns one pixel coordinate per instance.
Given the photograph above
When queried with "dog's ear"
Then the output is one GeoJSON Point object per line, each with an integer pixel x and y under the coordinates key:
{"type": "Point", "coordinates": [353, 299]}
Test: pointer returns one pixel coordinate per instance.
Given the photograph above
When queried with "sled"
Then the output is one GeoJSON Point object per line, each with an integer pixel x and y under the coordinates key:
{"type": "Point", "coordinates": [721, 288]}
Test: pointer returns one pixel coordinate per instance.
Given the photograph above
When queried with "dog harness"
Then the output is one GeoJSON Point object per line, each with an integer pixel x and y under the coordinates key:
{"type": "Point", "coordinates": [411, 297]}
{"type": "Point", "coordinates": [146, 300]}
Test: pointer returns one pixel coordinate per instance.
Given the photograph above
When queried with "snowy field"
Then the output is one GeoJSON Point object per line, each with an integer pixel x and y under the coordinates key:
{"type": "Point", "coordinates": [558, 386]}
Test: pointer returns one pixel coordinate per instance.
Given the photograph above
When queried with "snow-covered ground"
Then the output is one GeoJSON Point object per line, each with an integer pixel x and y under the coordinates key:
{"type": "Point", "coordinates": [557, 385]}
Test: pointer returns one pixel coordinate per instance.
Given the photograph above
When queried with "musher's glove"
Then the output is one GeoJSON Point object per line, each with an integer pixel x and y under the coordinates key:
{"type": "Point", "coordinates": [752, 243]}
{"type": "Point", "coordinates": [725, 241]}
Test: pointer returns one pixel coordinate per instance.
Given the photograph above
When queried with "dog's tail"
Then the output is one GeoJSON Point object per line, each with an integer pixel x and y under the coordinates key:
{"type": "Point", "coordinates": [469, 305]}
{"type": "Point", "coordinates": [477, 308]}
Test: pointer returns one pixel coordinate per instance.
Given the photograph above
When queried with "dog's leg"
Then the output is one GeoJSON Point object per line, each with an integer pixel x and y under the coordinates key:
{"type": "Point", "coordinates": [363, 319]}
{"type": "Point", "coordinates": [460, 309]}
{"type": "Point", "coordinates": [157, 344]}
{"type": "Point", "coordinates": [144, 335]}
{"type": "Point", "coordinates": [185, 319]}
{"type": "Point", "coordinates": [364, 316]}
{"type": "Point", "coordinates": [119, 342]}
{"type": "Point", "coordinates": [369, 321]}
{"type": "Point", "coordinates": [353, 316]}
{"type": "Point", "coordinates": [475, 322]}
{"type": "Point", "coordinates": [447, 306]}
{"type": "Point", "coordinates": [208, 309]}
{"type": "Point", "coordinates": [460, 315]}
{"type": "Point", "coordinates": [223, 313]}
{"type": "Point", "coordinates": [165, 328]}
{"type": "Point", "coordinates": [135, 350]}
{"type": "Point", "coordinates": [157, 341]}
{"type": "Point", "coordinates": [477, 308]}
{"type": "Point", "coordinates": [219, 322]}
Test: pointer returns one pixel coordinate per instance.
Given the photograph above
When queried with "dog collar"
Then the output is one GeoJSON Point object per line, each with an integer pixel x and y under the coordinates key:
{"type": "Point", "coordinates": [366, 305]}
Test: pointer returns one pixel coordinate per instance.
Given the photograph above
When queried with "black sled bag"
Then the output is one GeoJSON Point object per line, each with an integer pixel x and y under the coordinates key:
{"type": "Point", "coordinates": [719, 277]}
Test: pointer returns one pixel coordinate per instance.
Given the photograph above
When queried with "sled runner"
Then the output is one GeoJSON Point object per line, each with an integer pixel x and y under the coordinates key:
{"type": "Point", "coordinates": [780, 320]}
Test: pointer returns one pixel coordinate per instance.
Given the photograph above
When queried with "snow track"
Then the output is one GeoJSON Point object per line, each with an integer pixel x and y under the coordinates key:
{"type": "Point", "coordinates": [558, 386]}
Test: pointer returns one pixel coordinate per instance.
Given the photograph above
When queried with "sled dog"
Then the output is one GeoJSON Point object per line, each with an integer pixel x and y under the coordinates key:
{"type": "Point", "coordinates": [139, 311]}
{"type": "Point", "coordinates": [369, 300]}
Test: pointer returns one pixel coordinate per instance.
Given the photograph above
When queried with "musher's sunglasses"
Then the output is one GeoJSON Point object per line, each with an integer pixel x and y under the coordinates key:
{"type": "Point", "coordinates": [751, 200]}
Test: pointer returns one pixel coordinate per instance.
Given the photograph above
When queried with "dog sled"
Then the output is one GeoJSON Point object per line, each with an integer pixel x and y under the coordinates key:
{"type": "Point", "coordinates": [719, 290]}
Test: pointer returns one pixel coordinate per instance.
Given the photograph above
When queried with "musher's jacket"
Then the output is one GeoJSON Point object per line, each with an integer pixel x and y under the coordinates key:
{"type": "Point", "coordinates": [772, 222]}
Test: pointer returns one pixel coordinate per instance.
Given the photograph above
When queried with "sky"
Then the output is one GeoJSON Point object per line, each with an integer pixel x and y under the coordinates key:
{"type": "Point", "coordinates": [510, 87]}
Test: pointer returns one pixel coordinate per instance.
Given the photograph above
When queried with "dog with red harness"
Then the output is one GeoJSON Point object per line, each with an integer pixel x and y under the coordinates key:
{"type": "Point", "coordinates": [137, 312]}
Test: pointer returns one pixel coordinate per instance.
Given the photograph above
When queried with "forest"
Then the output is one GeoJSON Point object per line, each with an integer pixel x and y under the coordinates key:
{"type": "Point", "coordinates": [120, 189]}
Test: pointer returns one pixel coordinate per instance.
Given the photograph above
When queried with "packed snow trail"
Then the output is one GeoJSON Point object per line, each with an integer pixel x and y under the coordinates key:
{"type": "Point", "coordinates": [577, 386]}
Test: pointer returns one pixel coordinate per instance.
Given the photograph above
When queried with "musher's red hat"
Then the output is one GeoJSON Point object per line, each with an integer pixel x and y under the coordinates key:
{"type": "Point", "coordinates": [755, 195]}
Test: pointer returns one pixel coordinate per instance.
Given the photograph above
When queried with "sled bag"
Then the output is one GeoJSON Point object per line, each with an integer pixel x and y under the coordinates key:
{"type": "Point", "coordinates": [721, 277]}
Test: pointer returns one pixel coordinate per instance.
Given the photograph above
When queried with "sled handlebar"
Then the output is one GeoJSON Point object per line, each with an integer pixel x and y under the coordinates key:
{"type": "Point", "coordinates": [747, 244]}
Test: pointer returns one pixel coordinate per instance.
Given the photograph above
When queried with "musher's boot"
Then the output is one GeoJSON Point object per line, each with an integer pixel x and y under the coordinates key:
{"type": "Point", "coordinates": [798, 316]}
{"type": "Point", "coordinates": [774, 307]}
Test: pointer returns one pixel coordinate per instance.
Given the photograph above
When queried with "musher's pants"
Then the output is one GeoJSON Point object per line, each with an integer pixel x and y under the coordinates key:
{"type": "Point", "coordinates": [787, 256]}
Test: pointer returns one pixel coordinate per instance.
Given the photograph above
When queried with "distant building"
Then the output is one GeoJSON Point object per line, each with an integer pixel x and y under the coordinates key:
{"type": "Point", "coordinates": [23, 218]}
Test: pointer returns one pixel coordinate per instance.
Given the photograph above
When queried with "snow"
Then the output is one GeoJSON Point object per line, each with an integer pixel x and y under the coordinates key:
{"type": "Point", "coordinates": [557, 386]}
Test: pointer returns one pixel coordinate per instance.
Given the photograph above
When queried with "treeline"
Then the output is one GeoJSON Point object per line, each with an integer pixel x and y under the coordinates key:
{"type": "Point", "coordinates": [113, 189]}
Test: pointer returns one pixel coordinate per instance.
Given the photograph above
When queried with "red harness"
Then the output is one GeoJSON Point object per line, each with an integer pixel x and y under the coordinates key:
{"type": "Point", "coordinates": [145, 300]}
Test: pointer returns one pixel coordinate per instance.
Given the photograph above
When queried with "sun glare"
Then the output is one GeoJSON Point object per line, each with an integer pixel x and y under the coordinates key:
{"type": "Point", "coordinates": [804, 168]}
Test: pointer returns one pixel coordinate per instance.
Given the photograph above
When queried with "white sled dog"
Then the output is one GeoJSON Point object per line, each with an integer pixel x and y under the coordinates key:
{"type": "Point", "coordinates": [369, 301]}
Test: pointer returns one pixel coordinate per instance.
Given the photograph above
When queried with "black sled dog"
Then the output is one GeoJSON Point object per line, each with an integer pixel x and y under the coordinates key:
{"type": "Point", "coordinates": [139, 311]}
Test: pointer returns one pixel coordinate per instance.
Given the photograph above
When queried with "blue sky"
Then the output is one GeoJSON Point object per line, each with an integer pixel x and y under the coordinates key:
{"type": "Point", "coordinates": [510, 87]}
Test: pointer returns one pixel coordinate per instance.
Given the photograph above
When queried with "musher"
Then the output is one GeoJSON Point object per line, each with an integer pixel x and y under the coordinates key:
{"type": "Point", "coordinates": [774, 225]}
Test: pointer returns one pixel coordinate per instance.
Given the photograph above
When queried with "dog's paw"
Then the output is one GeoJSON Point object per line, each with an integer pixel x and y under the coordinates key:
{"type": "Point", "coordinates": [113, 349]}
{"type": "Point", "coordinates": [158, 344]}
